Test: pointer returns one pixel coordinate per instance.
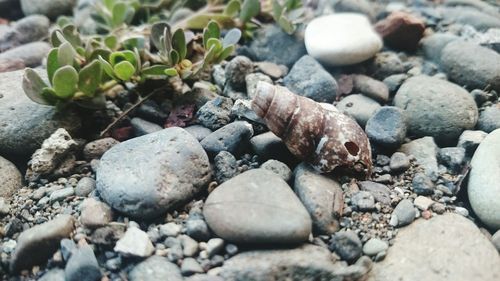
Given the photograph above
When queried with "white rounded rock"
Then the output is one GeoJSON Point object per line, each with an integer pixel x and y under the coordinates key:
{"type": "Point", "coordinates": [484, 181]}
{"type": "Point", "coordinates": [342, 39]}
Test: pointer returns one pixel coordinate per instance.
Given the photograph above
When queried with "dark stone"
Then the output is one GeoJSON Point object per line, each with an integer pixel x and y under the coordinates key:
{"type": "Point", "coordinates": [82, 265]}
{"type": "Point", "coordinates": [347, 245]}
{"type": "Point", "coordinates": [229, 138]}
{"type": "Point", "coordinates": [387, 127]}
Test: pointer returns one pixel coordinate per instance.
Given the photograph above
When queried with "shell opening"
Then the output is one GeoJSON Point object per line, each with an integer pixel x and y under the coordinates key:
{"type": "Point", "coordinates": [352, 148]}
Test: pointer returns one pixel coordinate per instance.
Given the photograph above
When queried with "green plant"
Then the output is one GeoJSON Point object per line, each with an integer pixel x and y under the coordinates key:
{"type": "Point", "coordinates": [288, 14]}
{"type": "Point", "coordinates": [114, 14]}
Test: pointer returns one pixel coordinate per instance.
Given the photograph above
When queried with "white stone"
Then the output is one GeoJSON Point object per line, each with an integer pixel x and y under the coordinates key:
{"type": "Point", "coordinates": [135, 243]}
{"type": "Point", "coordinates": [484, 181]}
{"type": "Point", "coordinates": [342, 39]}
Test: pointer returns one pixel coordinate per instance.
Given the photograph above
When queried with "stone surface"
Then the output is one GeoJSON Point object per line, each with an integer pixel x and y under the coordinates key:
{"type": "Point", "coordinates": [236, 71]}
{"type": "Point", "coordinates": [10, 177]}
{"type": "Point", "coordinates": [359, 107]}
{"type": "Point", "coordinates": [399, 162]}
{"type": "Point", "coordinates": [270, 146]}
{"type": "Point", "coordinates": [95, 149]}
{"type": "Point", "coordinates": [26, 30]}
{"type": "Point", "coordinates": [49, 8]}
{"type": "Point", "coordinates": [489, 119]}
{"type": "Point", "coordinates": [31, 54]}
{"type": "Point", "coordinates": [84, 186]}
{"type": "Point", "coordinates": [436, 108]}
{"type": "Point", "coordinates": [347, 245]}
{"type": "Point", "coordinates": [341, 39]}
{"type": "Point", "coordinates": [479, 20]}
{"type": "Point", "coordinates": [55, 274]}
{"type": "Point", "coordinates": [52, 152]}
{"type": "Point", "coordinates": [422, 184]}
{"type": "Point", "coordinates": [374, 246]}
{"type": "Point", "coordinates": [305, 263]}
{"type": "Point", "coordinates": [449, 247]}
{"type": "Point", "coordinates": [401, 30]}
{"type": "Point", "coordinates": [386, 64]}
{"type": "Point", "coordinates": [279, 168]}
{"type": "Point", "coordinates": [434, 44]}
{"type": "Point", "coordinates": [242, 109]}
{"type": "Point", "coordinates": [155, 268]}
{"type": "Point", "coordinates": [484, 181]}
{"type": "Point", "coordinates": [370, 87]}
{"type": "Point", "coordinates": [322, 197]}
{"type": "Point", "coordinates": [470, 140]}
{"type": "Point", "coordinates": [425, 151]}
{"type": "Point", "coordinates": [142, 127]}
{"type": "Point", "coordinates": [452, 157]}
{"type": "Point", "coordinates": [215, 113]}
{"type": "Point", "coordinates": [228, 138]}
{"type": "Point", "coordinates": [226, 166]}
{"type": "Point", "coordinates": [363, 201]}
{"type": "Point", "coordinates": [403, 214]}
{"type": "Point", "coordinates": [320, 87]}
{"type": "Point", "coordinates": [198, 131]}
{"type": "Point", "coordinates": [380, 192]}
{"type": "Point", "coordinates": [495, 239]}
{"type": "Point", "coordinates": [82, 265]}
{"type": "Point", "coordinates": [471, 65]}
{"type": "Point", "coordinates": [252, 80]}
{"type": "Point", "coordinates": [257, 207]}
{"type": "Point", "coordinates": [387, 126]}
{"type": "Point", "coordinates": [135, 243]}
{"type": "Point", "coordinates": [146, 176]}
{"type": "Point", "coordinates": [95, 214]}
{"type": "Point", "coordinates": [24, 125]}
{"type": "Point", "coordinates": [37, 244]}
{"type": "Point", "coordinates": [190, 266]}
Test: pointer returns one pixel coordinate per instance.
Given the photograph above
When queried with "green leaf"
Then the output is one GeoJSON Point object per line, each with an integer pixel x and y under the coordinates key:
{"type": "Point", "coordinates": [231, 38]}
{"type": "Point", "coordinates": [55, 40]}
{"type": "Point", "coordinates": [130, 57]}
{"type": "Point", "coordinates": [90, 78]}
{"type": "Point", "coordinates": [116, 57]}
{"type": "Point", "coordinates": [109, 4]}
{"type": "Point", "coordinates": [124, 70]}
{"type": "Point", "coordinates": [155, 70]}
{"type": "Point", "coordinates": [286, 25]}
{"type": "Point", "coordinates": [225, 53]}
{"type": "Point", "coordinates": [179, 43]}
{"type": "Point", "coordinates": [232, 8]}
{"type": "Point", "coordinates": [249, 9]}
{"type": "Point", "coordinates": [210, 55]}
{"type": "Point", "coordinates": [111, 41]}
{"type": "Point", "coordinates": [119, 14]}
{"type": "Point", "coordinates": [65, 82]}
{"type": "Point", "coordinates": [157, 31]}
{"type": "Point", "coordinates": [52, 64]}
{"type": "Point", "coordinates": [71, 34]}
{"type": "Point", "coordinates": [108, 69]}
{"type": "Point", "coordinates": [213, 30]}
{"type": "Point", "coordinates": [99, 52]}
{"type": "Point", "coordinates": [65, 54]}
{"type": "Point", "coordinates": [214, 43]}
{"type": "Point", "coordinates": [174, 57]}
{"type": "Point", "coordinates": [200, 21]}
{"type": "Point", "coordinates": [33, 86]}
{"type": "Point", "coordinates": [134, 43]}
{"type": "Point", "coordinates": [277, 10]}
{"type": "Point", "coordinates": [50, 96]}
{"type": "Point", "coordinates": [171, 72]}
{"type": "Point", "coordinates": [62, 21]}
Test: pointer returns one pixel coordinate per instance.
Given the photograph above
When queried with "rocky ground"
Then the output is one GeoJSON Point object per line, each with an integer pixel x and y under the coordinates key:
{"type": "Point", "coordinates": [223, 198]}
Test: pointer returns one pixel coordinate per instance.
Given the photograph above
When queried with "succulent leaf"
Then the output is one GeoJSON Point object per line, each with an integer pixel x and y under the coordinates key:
{"type": "Point", "coordinates": [249, 9]}
{"type": "Point", "coordinates": [124, 70]}
{"type": "Point", "coordinates": [90, 78]}
{"type": "Point", "coordinates": [233, 8]}
{"type": "Point", "coordinates": [52, 63]}
{"type": "Point", "coordinates": [65, 54]}
{"type": "Point", "coordinates": [33, 86]}
{"type": "Point", "coordinates": [65, 82]}
{"type": "Point", "coordinates": [179, 43]}
{"type": "Point", "coordinates": [232, 37]}
{"type": "Point", "coordinates": [171, 72]}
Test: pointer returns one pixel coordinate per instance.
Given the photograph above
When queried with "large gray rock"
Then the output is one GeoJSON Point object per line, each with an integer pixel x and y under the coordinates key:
{"type": "Point", "coordinates": [471, 65]}
{"type": "Point", "coordinates": [257, 207]}
{"type": "Point", "coordinates": [37, 244]}
{"type": "Point", "coordinates": [24, 125]}
{"type": "Point", "coordinates": [436, 108]}
{"type": "Point", "coordinates": [446, 247]}
{"type": "Point", "coordinates": [305, 263]}
{"type": "Point", "coordinates": [156, 268]}
{"type": "Point", "coordinates": [320, 87]}
{"type": "Point", "coordinates": [484, 181]}
{"type": "Point", "coordinates": [10, 178]}
{"type": "Point", "coordinates": [146, 176]}
{"type": "Point", "coordinates": [49, 8]}
{"type": "Point", "coordinates": [434, 44]}
{"type": "Point", "coordinates": [322, 197]}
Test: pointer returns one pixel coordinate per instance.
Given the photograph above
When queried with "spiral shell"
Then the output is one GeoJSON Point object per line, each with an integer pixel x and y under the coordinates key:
{"type": "Point", "coordinates": [316, 133]}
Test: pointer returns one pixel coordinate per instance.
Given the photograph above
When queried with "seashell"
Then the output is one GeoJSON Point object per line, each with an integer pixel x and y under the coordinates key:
{"type": "Point", "coordinates": [316, 133]}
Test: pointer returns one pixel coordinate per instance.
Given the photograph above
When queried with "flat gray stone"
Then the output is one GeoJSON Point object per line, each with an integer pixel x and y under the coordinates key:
{"type": "Point", "coordinates": [24, 125]}
{"type": "Point", "coordinates": [146, 176]}
{"type": "Point", "coordinates": [155, 268]}
{"type": "Point", "coordinates": [446, 247]}
{"type": "Point", "coordinates": [257, 207]}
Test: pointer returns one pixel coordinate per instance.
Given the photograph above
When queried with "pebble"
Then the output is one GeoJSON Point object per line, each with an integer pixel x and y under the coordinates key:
{"type": "Point", "coordinates": [347, 245]}
{"type": "Point", "coordinates": [401, 30]}
{"type": "Point", "coordinates": [484, 182]}
{"type": "Point", "coordinates": [215, 113]}
{"type": "Point", "coordinates": [422, 184]}
{"type": "Point", "coordinates": [142, 127]}
{"type": "Point", "coordinates": [26, 30]}
{"type": "Point", "coordinates": [434, 44]}
{"type": "Point", "coordinates": [95, 149]}
{"type": "Point", "coordinates": [495, 239]}
{"type": "Point", "coordinates": [10, 177]}
{"type": "Point", "coordinates": [189, 246]}
{"type": "Point", "coordinates": [20, 118]}
{"type": "Point", "coordinates": [269, 146]}
{"type": "Point", "coordinates": [170, 229]}
{"type": "Point", "coordinates": [55, 274]}
{"type": "Point", "coordinates": [135, 243]}
{"type": "Point", "coordinates": [489, 119]}
{"type": "Point", "coordinates": [380, 192]}
{"type": "Point", "coordinates": [386, 64]}
{"type": "Point", "coordinates": [151, 111]}
{"type": "Point", "coordinates": [190, 266]}
{"type": "Point", "coordinates": [236, 71]}
{"type": "Point", "coordinates": [403, 214]}
{"type": "Point", "coordinates": [320, 87]}
{"type": "Point", "coordinates": [198, 131]}
{"type": "Point", "coordinates": [242, 109]}
{"type": "Point", "coordinates": [95, 214]}
{"type": "Point", "coordinates": [279, 168]}
{"type": "Point", "coordinates": [49, 8]}
{"type": "Point", "coordinates": [425, 151]}
{"type": "Point", "coordinates": [31, 54]}
{"type": "Point", "coordinates": [197, 229]}
{"type": "Point", "coordinates": [146, 176]}
{"type": "Point", "coordinates": [363, 201]}
{"type": "Point", "coordinates": [477, 19]}
{"type": "Point", "coordinates": [355, 6]}
{"type": "Point", "coordinates": [272, 44]}
{"type": "Point", "coordinates": [82, 265]}
{"type": "Point", "coordinates": [452, 157]}
{"type": "Point", "coordinates": [85, 186]}
{"type": "Point", "coordinates": [399, 162]}
{"type": "Point", "coordinates": [387, 126]}
{"type": "Point", "coordinates": [470, 140]}
{"type": "Point", "coordinates": [252, 80]}
{"type": "Point", "coordinates": [431, 111]}
{"type": "Point", "coordinates": [341, 39]}
{"type": "Point", "coordinates": [214, 246]}
{"type": "Point", "coordinates": [155, 268]}
{"type": "Point", "coordinates": [273, 70]}
{"type": "Point", "coordinates": [228, 138]}
{"type": "Point", "coordinates": [68, 246]}
{"type": "Point", "coordinates": [226, 166]}
{"type": "Point", "coordinates": [395, 81]}
{"type": "Point", "coordinates": [257, 207]}
{"type": "Point", "coordinates": [371, 88]}
{"type": "Point", "coordinates": [359, 107]}
{"type": "Point", "coordinates": [423, 203]}
{"type": "Point", "coordinates": [322, 197]}
{"type": "Point", "coordinates": [459, 252]}
{"type": "Point", "coordinates": [4, 207]}
{"type": "Point", "coordinates": [471, 65]}
{"type": "Point", "coordinates": [61, 194]}
{"type": "Point", "coordinates": [37, 244]}
{"type": "Point", "coordinates": [374, 246]}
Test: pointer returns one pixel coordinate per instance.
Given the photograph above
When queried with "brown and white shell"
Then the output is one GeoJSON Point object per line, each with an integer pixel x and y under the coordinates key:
{"type": "Point", "coordinates": [316, 133]}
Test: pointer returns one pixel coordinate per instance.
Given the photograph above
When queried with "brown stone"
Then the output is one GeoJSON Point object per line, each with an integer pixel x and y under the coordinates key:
{"type": "Point", "coordinates": [401, 30]}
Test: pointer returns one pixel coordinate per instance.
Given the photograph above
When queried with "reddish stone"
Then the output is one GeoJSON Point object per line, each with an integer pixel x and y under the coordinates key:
{"type": "Point", "coordinates": [180, 116]}
{"type": "Point", "coordinates": [426, 214]}
{"type": "Point", "coordinates": [122, 134]}
{"type": "Point", "coordinates": [346, 84]}
{"type": "Point", "coordinates": [401, 30]}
